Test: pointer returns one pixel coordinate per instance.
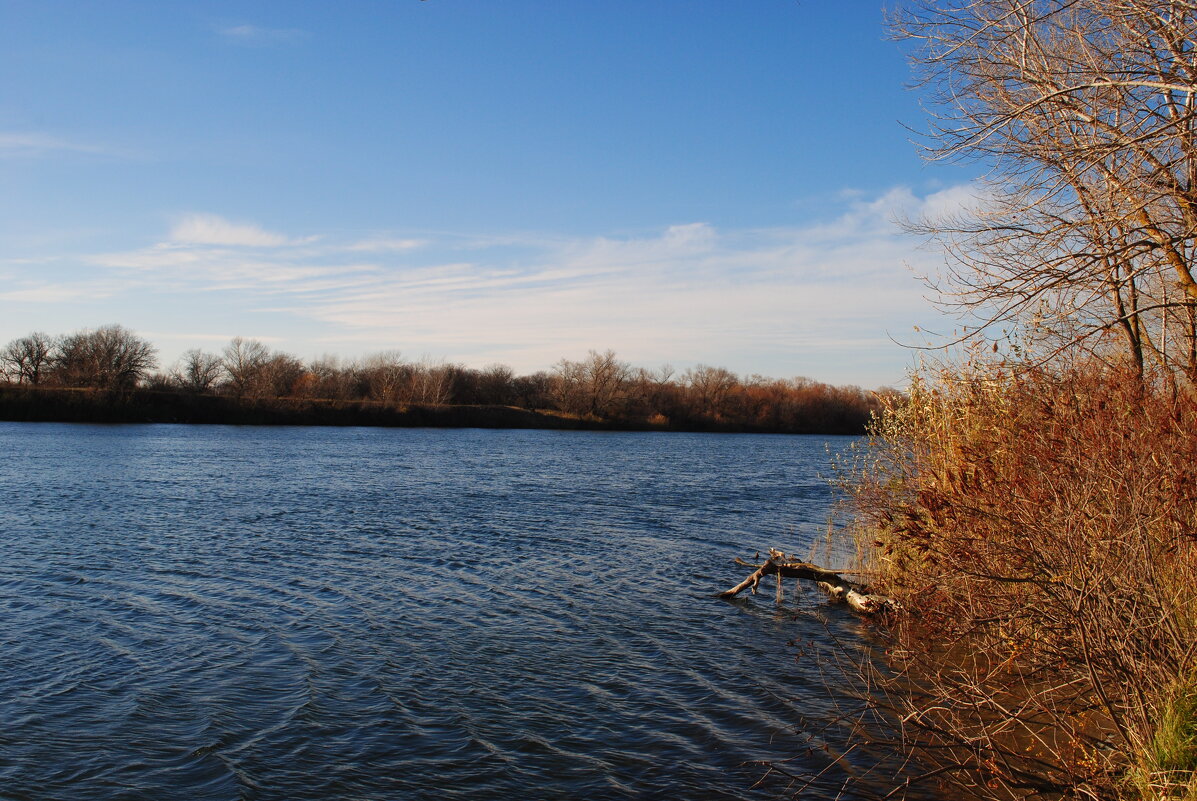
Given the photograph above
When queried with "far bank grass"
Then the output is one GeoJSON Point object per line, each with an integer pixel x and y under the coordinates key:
{"type": "Point", "coordinates": [82, 405]}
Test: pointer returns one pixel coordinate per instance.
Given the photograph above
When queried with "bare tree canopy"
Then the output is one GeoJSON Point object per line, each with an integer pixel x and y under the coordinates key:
{"type": "Point", "coordinates": [1084, 112]}
{"type": "Point", "coordinates": [26, 358]}
{"type": "Point", "coordinates": [592, 386]}
{"type": "Point", "coordinates": [110, 357]}
{"type": "Point", "coordinates": [712, 384]}
{"type": "Point", "coordinates": [198, 371]}
{"type": "Point", "coordinates": [245, 362]}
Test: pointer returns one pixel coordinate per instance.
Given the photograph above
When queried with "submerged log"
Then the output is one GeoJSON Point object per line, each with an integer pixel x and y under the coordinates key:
{"type": "Point", "coordinates": [831, 582]}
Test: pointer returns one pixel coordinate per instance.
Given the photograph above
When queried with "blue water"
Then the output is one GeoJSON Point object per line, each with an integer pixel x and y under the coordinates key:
{"type": "Point", "coordinates": [216, 612]}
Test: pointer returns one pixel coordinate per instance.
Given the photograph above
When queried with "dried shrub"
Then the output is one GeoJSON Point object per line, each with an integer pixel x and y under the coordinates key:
{"type": "Point", "coordinates": [1040, 529]}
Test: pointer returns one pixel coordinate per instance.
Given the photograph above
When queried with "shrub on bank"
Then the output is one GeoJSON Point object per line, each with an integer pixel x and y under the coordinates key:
{"type": "Point", "coordinates": [1040, 529]}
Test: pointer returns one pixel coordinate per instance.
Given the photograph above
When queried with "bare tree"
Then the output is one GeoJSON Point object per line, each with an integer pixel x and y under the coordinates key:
{"type": "Point", "coordinates": [593, 386]}
{"type": "Point", "coordinates": [386, 375]}
{"type": "Point", "coordinates": [24, 359]}
{"type": "Point", "coordinates": [496, 384]}
{"type": "Point", "coordinates": [281, 375]}
{"type": "Point", "coordinates": [329, 377]}
{"type": "Point", "coordinates": [711, 387]}
{"type": "Point", "coordinates": [1085, 113]}
{"type": "Point", "coordinates": [534, 391]}
{"type": "Point", "coordinates": [244, 361]}
{"type": "Point", "coordinates": [1029, 515]}
{"type": "Point", "coordinates": [198, 371]}
{"type": "Point", "coordinates": [110, 357]}
{"type": "Point", "coordinates": [430, 384]}
{"type": "Point", "coordinates": [648, 392]}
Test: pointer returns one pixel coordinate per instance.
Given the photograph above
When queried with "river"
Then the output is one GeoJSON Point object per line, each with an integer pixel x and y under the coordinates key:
{"type": "Point", "coordinates": [211, 612]}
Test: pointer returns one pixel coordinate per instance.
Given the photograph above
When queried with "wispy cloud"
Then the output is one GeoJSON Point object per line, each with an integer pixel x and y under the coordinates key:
{"type": "Point", "coordinates": [209, 229]}
{"type": "Point", "coordinates": [818, 299]}
{"type": "Point", "coordinates": [258, 35]}
{"type": "Point", "coordinates": [211, 338]}
{"type": "Point", "coordinates": [690, 292]}
{"type": "Point", "coordinates": [385, 245]}
{"type": "Point", "coordinates": [30, 143]}
{"type": "Point", "coordinates": [56, 292]}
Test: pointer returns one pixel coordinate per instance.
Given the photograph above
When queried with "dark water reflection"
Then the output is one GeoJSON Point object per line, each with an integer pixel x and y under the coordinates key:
{"type": "Point", "coordinates": [227, 613]}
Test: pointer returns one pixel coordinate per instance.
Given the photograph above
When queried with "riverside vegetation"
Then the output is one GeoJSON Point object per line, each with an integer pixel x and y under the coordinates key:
{"type": "Point", "coordinates": [107, 375]}
{"type": "Point", "coordinates": [1038, 527]}
{"type": "Point", "coordinates": [1032, 504]}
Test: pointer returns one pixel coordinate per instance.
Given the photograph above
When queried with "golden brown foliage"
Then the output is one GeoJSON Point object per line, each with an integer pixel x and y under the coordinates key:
{"type": "Point", "coordinates": [1041, 530]}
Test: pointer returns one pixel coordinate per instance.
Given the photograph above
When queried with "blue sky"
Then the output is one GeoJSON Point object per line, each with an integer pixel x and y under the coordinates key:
{"type": "Point", "coordinates": [683, 181]}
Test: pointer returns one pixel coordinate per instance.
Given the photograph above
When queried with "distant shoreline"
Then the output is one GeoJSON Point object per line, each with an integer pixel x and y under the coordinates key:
{"type": "Point", "coordinates": [70, 405]}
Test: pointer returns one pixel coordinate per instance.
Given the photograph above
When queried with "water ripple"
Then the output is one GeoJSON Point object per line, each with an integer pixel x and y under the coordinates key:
{"type": "Point", "coordinates": [244, 613]}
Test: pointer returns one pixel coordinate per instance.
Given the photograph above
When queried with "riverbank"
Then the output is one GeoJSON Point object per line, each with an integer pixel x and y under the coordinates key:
{"type": "Point", "coordinates": [69, 405]}
{"type": "Point", "coordinates": [1040, 528]}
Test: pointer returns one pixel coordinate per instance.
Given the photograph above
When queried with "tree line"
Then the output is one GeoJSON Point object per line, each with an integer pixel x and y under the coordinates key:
{"type": "Point", "coordinates": [598, 387]}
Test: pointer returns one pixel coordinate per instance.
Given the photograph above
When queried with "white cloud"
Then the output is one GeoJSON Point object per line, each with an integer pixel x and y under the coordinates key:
{"type": "Point", "coordinates": [58, 292]}
{"type": "Point", "coordinates": [28, 143]}
{"type": "Point", "coordinates": [258, 35]}
{"type": "Point", "coordinates": [386, 245]}
{"type": "Point", "coordinates": [157, 257]}
{"type": "Point", "coordinates": [811, 299]}
{"type": "Point", "coordinates": [690, 238]}
{"type": "Point", "coordinates": [954, 200]}
{"type": "Point", "coordinates": [209, 229]}
{"type": "Point", "coordinates": [690, 293]}
{"type": "Point", "coordinates": [194, 337]}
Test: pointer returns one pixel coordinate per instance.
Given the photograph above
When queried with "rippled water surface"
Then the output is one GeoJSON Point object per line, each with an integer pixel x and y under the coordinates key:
{"type": "Point", "coordinates": [302, 613]}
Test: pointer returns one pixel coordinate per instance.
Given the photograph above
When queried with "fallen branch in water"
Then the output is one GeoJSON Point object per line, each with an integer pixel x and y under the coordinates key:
{"type": "Point", "coordinates": [830, 582]}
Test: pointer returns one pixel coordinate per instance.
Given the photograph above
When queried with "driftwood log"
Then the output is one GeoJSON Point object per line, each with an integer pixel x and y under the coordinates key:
{"type": "Point", "coordinates": [832, 583]}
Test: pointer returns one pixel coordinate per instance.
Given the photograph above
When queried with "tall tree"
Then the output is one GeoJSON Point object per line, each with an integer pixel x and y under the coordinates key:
{"type": "Point", "coordinates": [245, 362]}
{"type": "Point", "coordinates": [198, 371]}
{"type": "Point", "coordinates": [595, 386]}
{"type": "Point", "coordinates": [1084, 111]}
{"type": "Point", "coordinates": [386, 375]}
{"type": "Point", "coordinates": [25, 359]}
{"type": "Point", "coordinates": [710, 387]}
{"type": "Point", "coordinates": [431, 383]}
{"type": "Point", "coordinates": [110, 357]}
